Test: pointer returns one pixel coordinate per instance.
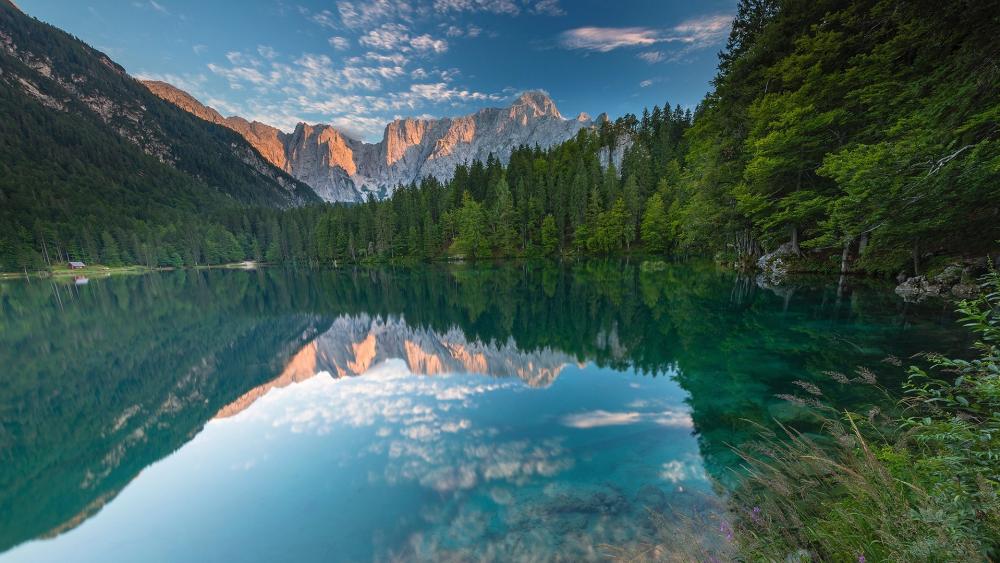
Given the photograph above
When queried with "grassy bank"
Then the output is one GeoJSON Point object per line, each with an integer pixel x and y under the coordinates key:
{"type": "Point", "coordinates": [913, 479]}
{"type": "Point", "coordinates": [919, 483]}
{"type": "Point", "coordinates": [92, 271]}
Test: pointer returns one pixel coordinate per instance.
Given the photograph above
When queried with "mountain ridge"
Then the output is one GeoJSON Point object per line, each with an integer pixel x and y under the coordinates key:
{"type": "Point", "coordinates": [341, 168]}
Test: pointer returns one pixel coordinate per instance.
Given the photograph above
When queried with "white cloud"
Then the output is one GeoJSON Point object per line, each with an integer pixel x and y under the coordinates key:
{"type": "Point", "coordinates": [235, 75]}
{"type": "Point", "coordinates": [645, 83]}
{"type": "Point", "coordinates": [439, 92]}
{"type": "Point", "coordinates": [606, 39]}
{"type": "Point", "coordinates": [199, 48]}
{"type": "Point", "coordinates": [241, 59]}
{"type": "Point", "coordinates": [704, 31]}
{"type": "Point", "coordinates": [673, 471]}
{"type": "Point", "coordinates": [396, 37]}
{"type": "Point", "coordinates": [677, 471]}
{"type": "Point", "coordinates": [599, 418]}
{"type": "Point", "coordinates": [425, 43]}
{"type": "Point", "coordinates": [339, 43]}
{"type": "Point", "coordinates": [674, 419]}
{"type": "Point", "coordinates": [388, 37]}
{"type": "Point", "coordinates": [594, 419]}
{"type": "Point", "coordinates": [395, 58]}
{"type": "Point", "coordinates": [695, 33]}
{"type": "Point", "coordinates": [356, 15]}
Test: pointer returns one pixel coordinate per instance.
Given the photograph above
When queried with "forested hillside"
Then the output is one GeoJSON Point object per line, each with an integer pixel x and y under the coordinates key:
{"type": "Point", "coordinates": [93, 166]}
{"type": "Point", "coordinates": [867, 127]}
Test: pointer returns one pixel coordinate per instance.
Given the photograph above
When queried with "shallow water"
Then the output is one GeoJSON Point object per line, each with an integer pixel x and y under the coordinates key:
{"type": "Point", "coordinates": [514, 412]}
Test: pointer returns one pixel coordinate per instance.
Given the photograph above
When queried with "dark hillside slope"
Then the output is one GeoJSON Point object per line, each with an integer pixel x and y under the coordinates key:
{"type": "Point", "coordinates": [88, 153]}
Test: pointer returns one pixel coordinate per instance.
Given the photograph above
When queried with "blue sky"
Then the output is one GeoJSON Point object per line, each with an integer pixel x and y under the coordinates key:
{"type": "Point", "coordinates": [359, 64]}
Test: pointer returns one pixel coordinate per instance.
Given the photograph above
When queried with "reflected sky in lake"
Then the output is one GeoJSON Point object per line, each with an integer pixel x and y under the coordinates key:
{"type": "Point", "coordinates": [497, 413]}
{"type": "Point", "coordinates": [396, 464]}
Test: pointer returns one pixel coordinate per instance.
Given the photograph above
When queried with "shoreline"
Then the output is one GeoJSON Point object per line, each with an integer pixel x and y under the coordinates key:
{"type": "Point", "coordinates": [98, 271]}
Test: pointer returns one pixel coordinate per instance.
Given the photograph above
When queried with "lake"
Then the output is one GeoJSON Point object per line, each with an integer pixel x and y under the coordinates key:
{"type": "Point", "coordinates": [449, 412]}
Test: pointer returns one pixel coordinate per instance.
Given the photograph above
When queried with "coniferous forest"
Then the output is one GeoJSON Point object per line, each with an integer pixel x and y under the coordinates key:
{"type": "Point", "coordinates": [862, 134]}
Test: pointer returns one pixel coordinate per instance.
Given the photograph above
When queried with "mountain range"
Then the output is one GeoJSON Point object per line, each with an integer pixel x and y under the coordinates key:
{"type": "Point", "coordinates": [341, 168]}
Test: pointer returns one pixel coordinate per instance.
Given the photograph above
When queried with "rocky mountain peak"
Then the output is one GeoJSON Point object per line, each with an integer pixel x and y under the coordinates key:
{"type": "Point", "coordinates": [536, 104]}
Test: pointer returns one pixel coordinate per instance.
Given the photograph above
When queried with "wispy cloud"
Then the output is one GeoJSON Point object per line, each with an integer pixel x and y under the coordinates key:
{"type": "Point", "coordinates": [324, 18]}
{"type": "Point", "coordinates": [645, 83]}
{"type": "Point", "coordinates": [501, 7]}
{"type": "Point", "coordinates": [508, 7]}
{"type": "Point", "coordinates": [606, 39]}
{"type": "Point", "coordinates": [696, 33]}
{"type": "Point", "coordinates": [158, 7]}
{"type": "Point", "coordinates": [152, 5]}
{"type": "Point", "coordinates": [267, 52]}
{"type": "Point", "coordinates": [548, 7]}
{"type": "Point", "coordinates": [652, 57]}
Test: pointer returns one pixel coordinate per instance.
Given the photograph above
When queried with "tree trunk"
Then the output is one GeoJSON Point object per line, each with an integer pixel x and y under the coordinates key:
{"type": "Point", "coordinates": [916, 258]}
{"type": "Point", "coordinates": [795, 240]}
{"type": "Point", "coordinates": [845, 256]}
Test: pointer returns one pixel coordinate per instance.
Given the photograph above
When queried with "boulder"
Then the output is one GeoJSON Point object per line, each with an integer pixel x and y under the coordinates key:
{"type": "Point", "coordinates": [774, 265]}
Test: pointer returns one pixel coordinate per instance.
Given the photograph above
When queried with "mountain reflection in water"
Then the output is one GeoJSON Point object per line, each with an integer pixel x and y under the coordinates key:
{"type": "Point", "coordinates": [353, 345]}
{"type": "Point", "coordinates": [516, 411]}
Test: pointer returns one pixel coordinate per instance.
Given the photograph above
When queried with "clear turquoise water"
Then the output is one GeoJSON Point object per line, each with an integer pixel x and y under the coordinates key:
{"type": "Point", "coordinates": [515, 412]}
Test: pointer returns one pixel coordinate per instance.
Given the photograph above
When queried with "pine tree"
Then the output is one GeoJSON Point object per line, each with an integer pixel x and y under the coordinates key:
{"type": "Point", "coordinates": [550, 238]}
{"type": "Point", "coordinates": [655, 225]}
{"type": "Point", "coordinates": [471, 240]}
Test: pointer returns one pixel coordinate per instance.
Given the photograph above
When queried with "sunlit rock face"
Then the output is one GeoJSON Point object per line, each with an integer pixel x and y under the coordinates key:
{"type": "Point", "coordinates": [340, 168]}
{"type": "Point", "coordinates": [354, 345]}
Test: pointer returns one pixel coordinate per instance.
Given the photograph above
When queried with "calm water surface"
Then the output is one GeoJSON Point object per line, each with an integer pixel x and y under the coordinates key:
{"type": "Point", "coordinates": [513, 412]}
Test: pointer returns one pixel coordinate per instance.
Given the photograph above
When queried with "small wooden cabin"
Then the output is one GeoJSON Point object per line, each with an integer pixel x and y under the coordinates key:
{"type": "Point", "coordinates": [77, 265]}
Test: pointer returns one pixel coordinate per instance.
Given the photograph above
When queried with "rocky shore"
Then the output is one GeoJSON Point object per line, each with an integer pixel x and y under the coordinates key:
{"type": "Point", "coordinates": [958, 280]}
